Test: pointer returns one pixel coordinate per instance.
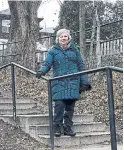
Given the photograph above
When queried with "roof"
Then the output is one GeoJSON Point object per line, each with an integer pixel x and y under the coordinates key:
{"type": "Point", "coordinates": [5, 12]}
{"type": "Point", "coordinates": [3, 41]}
{"type": "Point", "coordinates": [48, 30]}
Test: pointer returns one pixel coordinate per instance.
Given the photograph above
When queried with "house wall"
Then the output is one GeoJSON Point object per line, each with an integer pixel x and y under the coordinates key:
{"type": "Point", "coordinates": [4, 17]}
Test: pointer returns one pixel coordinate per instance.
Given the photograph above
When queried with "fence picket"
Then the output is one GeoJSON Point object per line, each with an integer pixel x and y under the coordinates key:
{"type": "Point", "coordinates": [121, 45]}
{"type": "Point", "coordinates": [104, 48]}
{"type": "Point", "coordinates": [107, 48]}
{"type": "Point", "coordinates": [110, 46]}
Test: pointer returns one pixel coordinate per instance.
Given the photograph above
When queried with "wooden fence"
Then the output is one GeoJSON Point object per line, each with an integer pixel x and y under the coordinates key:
{"type": "Point", "coordinates": [111, 47]}
{"type": "Point", "coordinates": [104, 49]}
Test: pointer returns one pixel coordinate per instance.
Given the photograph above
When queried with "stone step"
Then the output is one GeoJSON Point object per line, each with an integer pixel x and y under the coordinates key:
{"type": "Point", "coordinates": [93, 147]}
{"type": "Point", "coordinates": [18, 100]}
{"type": "Point", "coordinates": [18, 105]}
{"type": "Point", "coordinates": [19, 111]}
{"type": "Point", "coordinates": [25, 121]}
{"type": "Point", "coordinates": [77, 127]}
{"type": "Point", "coordinates": [38, 119]}
{"type": "Point", "coordinates": [44, 118]}
{"type": "Point", "coordinates": [79, 140]}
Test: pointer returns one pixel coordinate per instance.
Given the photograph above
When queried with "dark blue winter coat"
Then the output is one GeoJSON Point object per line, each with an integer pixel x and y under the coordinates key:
{"type": "Point", "coordinates": [65, 62]}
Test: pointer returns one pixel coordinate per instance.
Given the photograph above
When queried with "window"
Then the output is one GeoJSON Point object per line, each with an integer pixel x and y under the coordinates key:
{"type": "Point", "coordinates": [5, 29]}
{"type": "Point", "coordinates": [5, 26]}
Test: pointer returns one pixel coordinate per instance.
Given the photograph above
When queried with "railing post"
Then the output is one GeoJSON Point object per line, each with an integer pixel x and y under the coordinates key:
{"type": "Point", "coordinates": [13, 91]}
{"type": "Point", "coordinates": [50, 115]}
{"type": "Point", "coordinates": [111, 110]}
{"type": "Point", "coordinates": [3, 55]}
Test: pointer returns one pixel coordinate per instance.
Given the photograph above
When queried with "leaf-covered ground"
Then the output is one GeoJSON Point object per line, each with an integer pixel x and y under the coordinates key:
{"type": "Point", "coordinates": [13, 138]}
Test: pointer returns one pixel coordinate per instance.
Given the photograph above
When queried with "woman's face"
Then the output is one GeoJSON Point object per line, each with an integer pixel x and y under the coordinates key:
{"type": "Point", "coordinates": [63, 39]}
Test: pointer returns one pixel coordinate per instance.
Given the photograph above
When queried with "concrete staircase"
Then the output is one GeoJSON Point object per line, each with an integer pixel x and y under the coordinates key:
{"type": "Point", "coordinates": [30, 119]}
{"type": "Point", "coordinates": [23, 106]}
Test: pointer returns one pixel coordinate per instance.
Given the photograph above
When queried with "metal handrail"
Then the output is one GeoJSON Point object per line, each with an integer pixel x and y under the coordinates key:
{"type": "Point", "coordinates": [23, 68]}
{"type": "Point", "coordinates": [13, 65]}
{"type": "Point", "coordinates": [107, 69]}
{"type": "Point", "coordinates": [89, 71]}
{"type": "Point", "coordinates": [4, 66]}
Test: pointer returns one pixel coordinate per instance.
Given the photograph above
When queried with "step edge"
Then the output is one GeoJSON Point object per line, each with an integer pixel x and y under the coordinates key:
{"type": "Point", "coordinates": [78, 135]}
{"type": "Point", "coordinates": [78, 123]}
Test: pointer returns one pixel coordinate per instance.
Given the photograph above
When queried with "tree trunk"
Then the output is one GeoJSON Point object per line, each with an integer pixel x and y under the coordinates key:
{"type": "Point", "coordinates": [98, 52]}
{"type": "Point", "coordinates": [24, 30]}
{"type": "Point", "coordinates": [93, 34]}
{"type": "Point", "coordinates": [82, 27]}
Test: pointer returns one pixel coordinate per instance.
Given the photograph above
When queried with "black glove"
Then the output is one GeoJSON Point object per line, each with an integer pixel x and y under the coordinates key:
{"type": "Point", "coordinates": [84, 88]}
{"type": "Point", "coordinates": [39, 74]}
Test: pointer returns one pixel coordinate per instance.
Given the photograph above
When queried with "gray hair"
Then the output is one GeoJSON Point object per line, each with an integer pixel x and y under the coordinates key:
{"type": "Point", "coordinates": [59, 32]}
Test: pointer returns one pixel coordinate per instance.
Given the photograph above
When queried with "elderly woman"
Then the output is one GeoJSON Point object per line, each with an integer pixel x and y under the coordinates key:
{"type": "Point", "coordinates": [65, 59]}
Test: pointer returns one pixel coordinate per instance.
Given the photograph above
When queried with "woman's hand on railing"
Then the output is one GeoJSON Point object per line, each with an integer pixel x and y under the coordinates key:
{"type": "Point", "coordinates": [39, 74]}
{"type": "Point", "coordinates": [84, 88]}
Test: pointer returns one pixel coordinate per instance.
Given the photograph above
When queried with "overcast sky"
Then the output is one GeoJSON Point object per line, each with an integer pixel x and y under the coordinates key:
{"type": "Point", "coordinates": [49, 11]}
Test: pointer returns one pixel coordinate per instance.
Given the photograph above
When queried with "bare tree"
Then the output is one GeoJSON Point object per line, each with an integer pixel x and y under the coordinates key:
{"type": "Point", "coordinates": [82, 27]}
{"type": "Point", "coordinates": [24, 28]}
{"type": "Point", "coordinates": [93, 32]}
{"type": "Point", "coordinates": [98, 52]}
